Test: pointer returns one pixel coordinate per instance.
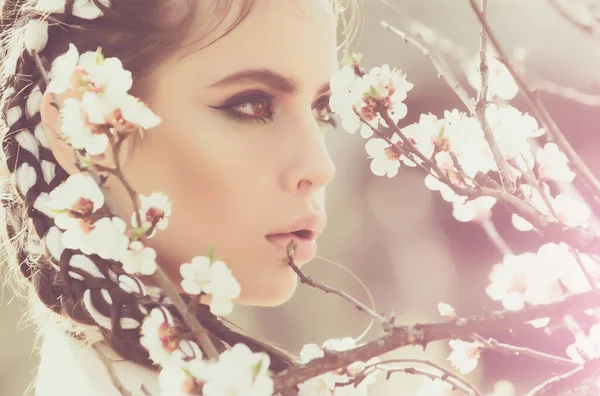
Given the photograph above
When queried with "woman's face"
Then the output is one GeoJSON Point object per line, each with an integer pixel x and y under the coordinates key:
{"type": "Point", "coordinates": [240, 150]}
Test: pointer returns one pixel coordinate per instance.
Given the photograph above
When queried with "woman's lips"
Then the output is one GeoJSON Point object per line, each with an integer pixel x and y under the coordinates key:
{"type": "Point", "coordinates": [306, 249]}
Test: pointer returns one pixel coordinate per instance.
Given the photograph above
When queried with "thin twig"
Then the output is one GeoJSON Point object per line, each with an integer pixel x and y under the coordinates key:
{"type": "Point", "coordinates": [457, 382]}
{"type": "Point", "coordinates": [423, 334]}
{"type": "Point", "coordinates": [568, 381]}
{"type": "Point", "coordinates": [492, 233]}
{"type": "Point", "coordinates": [443, 70]}
{"type": "Point", "coordinates": [145, 390]}
{"type": "Point", "coordinates": [569, 93]}
{"type": "Point", "coordinates": [446, 373]}
{"type": "Point", "coordinates": [569, 17]}
{"type": "Point", "coordinates": [584, 270]}
{"type": "Point", "coordinates": [480, 108]}
{"type": "Point", "coordinates": [507, 349]}
{"type": "Point", "coordinates": [386, 323]}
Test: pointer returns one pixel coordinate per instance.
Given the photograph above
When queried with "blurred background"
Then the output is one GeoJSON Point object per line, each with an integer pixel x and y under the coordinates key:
{"type": "Point", "coordinates": [398, 237]}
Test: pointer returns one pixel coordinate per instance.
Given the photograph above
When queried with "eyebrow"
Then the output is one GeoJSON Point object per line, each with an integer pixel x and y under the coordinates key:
{"type": "Point", "coordinates": [268, 77]}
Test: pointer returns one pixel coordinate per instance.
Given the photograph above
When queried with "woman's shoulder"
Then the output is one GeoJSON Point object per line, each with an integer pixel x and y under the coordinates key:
{"type": "Point", "coordinates": [72, 367]}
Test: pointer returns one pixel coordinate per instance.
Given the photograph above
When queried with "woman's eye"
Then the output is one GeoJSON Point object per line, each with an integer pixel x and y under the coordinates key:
{"type": "Point", "coordinates": [255, 108]}
{"type": "Point", "coordinates": [323, 112]}
{"type": "Point", "coordinates": [250, 108]}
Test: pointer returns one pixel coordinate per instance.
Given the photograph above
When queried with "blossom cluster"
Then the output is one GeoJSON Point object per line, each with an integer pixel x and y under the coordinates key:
{"type": "Point", "coordinates": [96, 120]}
{"type": "Point", "coordinates": [330, 384]}
{"type": "Point", "coordinates": [203, 275]}
{"type": "Point", "coordinates": [459, 153]}
{"type": "Point", "coordinates": [186, 372]}
{"type": "Point", "coordinates": [539, 278]}
{"type": "Point", "coordinates": [103, 109]}
{"type": "Point", "coordinates": [93, 124]}
{"type": "Point", "coordinates": [360, 98]}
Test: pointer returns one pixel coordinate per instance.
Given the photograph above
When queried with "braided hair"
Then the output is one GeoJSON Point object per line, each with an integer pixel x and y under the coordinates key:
{"type": "Point", "coordinates": [87, 289]}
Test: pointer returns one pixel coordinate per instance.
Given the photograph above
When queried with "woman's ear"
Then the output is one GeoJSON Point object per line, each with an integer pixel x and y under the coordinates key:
{"type": "Point", "coordinates": [51, 121]}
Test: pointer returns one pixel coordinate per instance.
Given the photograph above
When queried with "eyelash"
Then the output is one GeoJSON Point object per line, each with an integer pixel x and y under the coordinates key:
{"type": "Point", "coordinates": [267, 100]}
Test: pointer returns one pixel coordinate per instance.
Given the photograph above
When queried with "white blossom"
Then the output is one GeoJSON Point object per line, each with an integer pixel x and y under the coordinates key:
{"type": "Point", "coordinates": [343, 97]}
{"type": "Point", "coordinates": [434, 184]}
{"type": "Point", "coordinates": [512, 130]}
{"type": "Point", "coordinates": [215, 278]}
{"type": "Point", "coordinates": [446, 310]}
{"type": "Point", "coordinates": [503, 388]}
{"type": "Point", "coordinates": [62, 70]}
{"type": "Point", "coordinates": [522, 279]}
{"type": "Point", "coordinates": [570, 211]}
{"type": "Point", "coordinates": [196, 275]}
{"type": "Point", "coordinates": [385, 161]}
{"type": "Point", "coordinates": [352, 94]}
{"type": "Point", "coordinates": [157, 335]}
{"type": "Point", "coordinates": [477, 209]}
{"type": "Point", "coordinates": [106, 74]}
{"type": "Point", "coordinates": [79, 193]}
{"type": "Point", "coordinates": [553, 164]}
{"type": "Point", "coordinates": [427, 133]}
{"type": "Point", "coordinates": [136, 112]}
{"type": "Point", "coordinates": [139, 259]}
{"type": "Point", "coordinates": [325, 384]}
{"type": "Point", "coordinates": [250, 371]}
{"type": "Point", "coordinates": [175, 380]}
{"type": "Point", "coordinates": [465, 355]}
{"type": "Point", "coordinates": [109, 238]}
{"type": "Point", "coordinates": [501, 84]}
{"type": "Point", "coordinates": [80, 133]}
{"type": "Point", "coordinates": [223, 287]}
{"type": "Point", "coordinates": [322, 385]}
{"type": "Point", "coordinates": [155, 208]}
{"type": "Point", "coordinates": [561, 264]}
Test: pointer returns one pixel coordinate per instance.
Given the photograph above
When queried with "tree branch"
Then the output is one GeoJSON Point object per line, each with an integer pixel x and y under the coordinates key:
{"type": "Point", "coordinates": [480, 107]}
{"type": "Point", "coordinates": [386, 323]}
{"type": "Point", "coordinates": [423, 334]}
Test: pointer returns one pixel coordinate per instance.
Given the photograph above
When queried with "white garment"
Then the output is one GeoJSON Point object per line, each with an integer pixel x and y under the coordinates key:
{"type": "Point", "coordinates": [72, 368]}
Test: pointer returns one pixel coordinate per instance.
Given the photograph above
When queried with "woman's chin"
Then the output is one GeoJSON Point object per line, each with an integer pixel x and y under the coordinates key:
{"type": "Point", "coordinates": [277, 291]}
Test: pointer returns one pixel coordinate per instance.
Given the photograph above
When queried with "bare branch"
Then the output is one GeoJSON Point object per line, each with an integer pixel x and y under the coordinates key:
{"type": "Point", "coordinates": [386, 323]}
{"type": "Point", "coordinates": [423, 334]}
{"type": "Point", "coordinates": [507, 349]}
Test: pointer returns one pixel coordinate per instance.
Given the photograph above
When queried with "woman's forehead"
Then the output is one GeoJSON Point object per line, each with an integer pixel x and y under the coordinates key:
{"type": "Point", "coordinates": [297, 38]}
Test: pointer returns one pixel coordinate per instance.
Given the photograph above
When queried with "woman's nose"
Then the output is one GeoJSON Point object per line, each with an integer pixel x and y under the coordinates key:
{"type": "Point", "coordinates": [311, 165]}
